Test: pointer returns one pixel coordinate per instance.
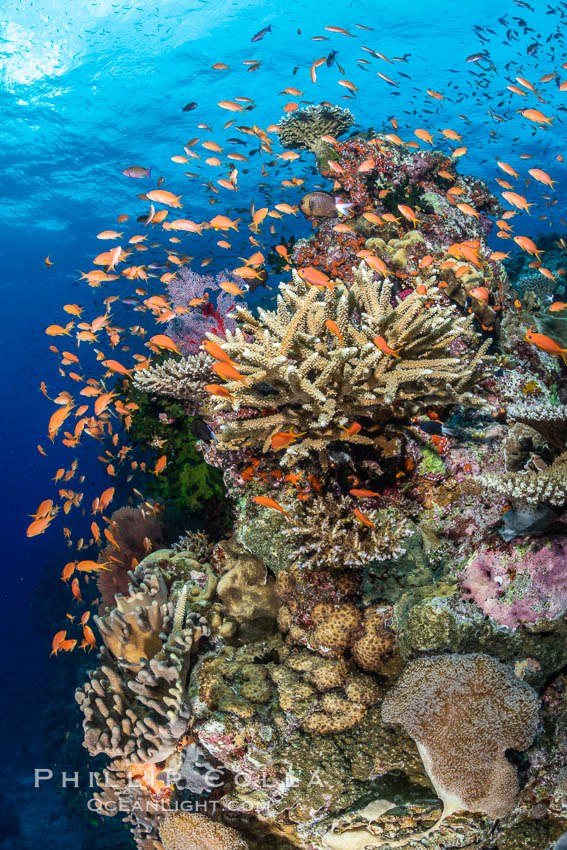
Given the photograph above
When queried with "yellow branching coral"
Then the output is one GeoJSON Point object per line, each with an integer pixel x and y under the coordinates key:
{"type": "Point", "coordinates": [187, 831]}
{"type": "Point", "coordinates": [300, 375]}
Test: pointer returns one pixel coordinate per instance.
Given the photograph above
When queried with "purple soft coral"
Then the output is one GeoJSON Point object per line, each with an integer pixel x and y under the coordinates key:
{"type": "Point", "coordinates": [521, 585]}
{"type": "Point", "coordinates": [211, 316]}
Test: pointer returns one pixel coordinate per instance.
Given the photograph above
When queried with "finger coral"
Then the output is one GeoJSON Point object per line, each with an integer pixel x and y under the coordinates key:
{"type": "Point", "coordinates": [187, 831]}
{"type": "Point", "coordinates": [326, 531]}
{"type": "Point", "coordinates": [135, 704]}
{"type": "Point", "coordinates": [299, 375]}
{"type": "Point", "coordinates": [464, 712]}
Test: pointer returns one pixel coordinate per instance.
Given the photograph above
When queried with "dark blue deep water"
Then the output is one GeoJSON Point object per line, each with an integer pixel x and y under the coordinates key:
{"type": "Point", "coordinates": [87, 89]}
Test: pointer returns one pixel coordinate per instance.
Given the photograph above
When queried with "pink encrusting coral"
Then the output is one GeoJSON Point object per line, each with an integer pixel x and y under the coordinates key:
{"type": "Point", "coordinates": [521, 585]}
{"type": "Point", "coordinates": [211, 316]}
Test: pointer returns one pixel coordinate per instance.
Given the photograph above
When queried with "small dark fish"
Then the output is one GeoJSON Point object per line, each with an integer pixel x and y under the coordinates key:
{"type": "Point", "coordinates": [131, 302]}
{"type": "Point", "coordinates": [262, 33]}
{"type": "Point", "coordinates": [532, 48]}
{"type": "Point", "coordinates": [259, 281]}
{"type": "Point", "coordinates": [201, 431]}
{"type": "Point", "coordinates": [476, 57]}
{"type": "Point", "coordinates": [189, 106]}
{"type": "Point", "coordinates": [434, 428]}
{"type": "Point", "coordinates": [331, 58]}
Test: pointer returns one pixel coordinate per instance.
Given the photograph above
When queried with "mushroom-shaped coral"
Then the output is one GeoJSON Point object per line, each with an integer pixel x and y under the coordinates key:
{"type": "Point", "coordinates": [245, 589]}
{"type": "Point", "coordinates": [187, 831]}
{"type": "Point", "coordinates": [303, 128]}
{"type": "Point", "coordinates": [464, 712]}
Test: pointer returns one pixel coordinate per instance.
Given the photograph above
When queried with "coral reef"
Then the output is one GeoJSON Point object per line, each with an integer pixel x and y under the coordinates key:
{"type": "Point", "coordinates": [191, 294]}
{"type": "Point", "coordinates": [183, 379]}
{"type": "Point", "coordinates": [303, 128]}
{"type": "Point", "coordinates": [326, 531]}
{"type": "Point", "coordinates": [523, 585]}
{"type": "Point", "coordinates": [373, 655]}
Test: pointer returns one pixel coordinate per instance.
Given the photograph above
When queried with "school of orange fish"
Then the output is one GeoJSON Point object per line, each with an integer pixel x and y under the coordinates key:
{"type": "Point", "coordinates": [100, 408]}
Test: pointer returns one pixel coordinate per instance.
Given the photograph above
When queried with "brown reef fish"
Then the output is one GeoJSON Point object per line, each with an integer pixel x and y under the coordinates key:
{"type": "Point", "coordinates": [322, 205]}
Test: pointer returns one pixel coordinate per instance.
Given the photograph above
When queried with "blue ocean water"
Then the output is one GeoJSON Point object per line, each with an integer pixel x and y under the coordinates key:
{"type": "Point", "coordinates": [89, 89]}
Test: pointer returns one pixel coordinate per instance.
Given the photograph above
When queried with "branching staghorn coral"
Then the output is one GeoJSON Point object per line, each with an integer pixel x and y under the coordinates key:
{"type": "Point", "coordinates": [196, 542]}
{"type": "Point", "coordinates": [546, 486]}
{"type": "Point", "coordinates": [325, 532]}
{"type": "Point", "coordinates": [298, 374]}
{"type": "Point", "coordinates": [181, 379]}
{"type": "Point", "coordinates": [303, 128]}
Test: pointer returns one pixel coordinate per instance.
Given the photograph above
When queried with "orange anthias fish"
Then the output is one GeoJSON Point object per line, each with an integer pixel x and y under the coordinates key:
{"type": "Point", "coordinates": [527, 244]}
{"type": "Point", "coordinates": [314, 277]}
{"type": "Point", "coordinates": [160, 196]}
{"type": "Point", "coordinates": [381, 343]}
{"type": "Point", "coordinates": [227, 371]}
{"type": "Point", "coordinates": [216, 389]}
{"type": "Point", "coordinates": [160, 464]}
{"type": "Point", "coordinates": [332, 326]}
{"type": "Point", "coordinates": [165, 342]}
{"type": "Point", "coordinates": [353, 429]}
{"type": "Point", "coordinates": [545, 343]}
{"type": "Point", "coordinates": [214, 349]}
{"type": "Point", "coordinates": [89, 637]}
{"type": "Point", "coordinates": [363, 518]}
{"type": "Point", "coordinates": [363, 494]}
{"type": "Point", "coordinates": [266, 502]}
{"type": "Point", "coordinates": [283, 439]}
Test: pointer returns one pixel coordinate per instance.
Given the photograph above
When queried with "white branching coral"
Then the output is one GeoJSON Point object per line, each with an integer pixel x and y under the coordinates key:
{"type": "Point", "coordinates": [327, 532]}
{"type": "Point", "coordinates": [546, 486]}
{"type": "Point", "coordinates": [181, 379]}
{"type": "Point", "coordinates": [315, 364]}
